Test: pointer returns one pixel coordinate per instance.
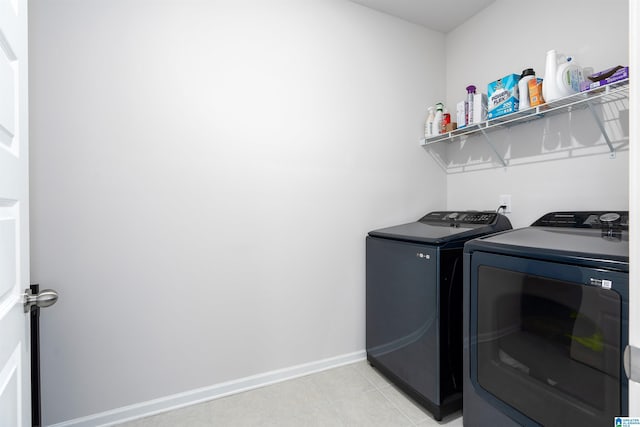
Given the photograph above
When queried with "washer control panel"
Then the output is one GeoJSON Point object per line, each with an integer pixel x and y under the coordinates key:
{"type": "Point", "coordinates": [459, 217]}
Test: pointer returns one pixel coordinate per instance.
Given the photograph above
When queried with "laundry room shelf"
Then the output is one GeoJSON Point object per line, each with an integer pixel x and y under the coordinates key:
{"type": "Point", "coordinates": [584, 100]}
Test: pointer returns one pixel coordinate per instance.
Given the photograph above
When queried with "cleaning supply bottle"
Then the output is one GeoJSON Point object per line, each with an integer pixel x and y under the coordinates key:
{"type": "Point", "coordinates": [569, 76]}
{"type": "Point", "coordinates": [560, 80]}
{"type": "Point", "coordinates": [471, 90]}
{"type": "Point", "coordinates": [523, 87]}
{"type": "Point", "coordinates": [550, 90]}
{"type": "Point", "coordinates": [460, 114]}
{"type": "Point", "coordinates": [428, 126]}
{"type": "Point", "coordinates": [437, 121]}
{"type": "Point", "coordinates": [446, 119]}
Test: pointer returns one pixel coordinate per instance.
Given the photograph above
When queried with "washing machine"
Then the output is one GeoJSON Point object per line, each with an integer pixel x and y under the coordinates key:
{"type": "Point", "coordinates": [546, 322]}
{"type": "Point", "coordinates": [414, 303]}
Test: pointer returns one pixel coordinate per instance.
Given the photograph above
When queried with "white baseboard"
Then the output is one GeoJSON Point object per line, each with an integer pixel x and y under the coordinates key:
{"type": "Point", "coordinates": [168, 403]}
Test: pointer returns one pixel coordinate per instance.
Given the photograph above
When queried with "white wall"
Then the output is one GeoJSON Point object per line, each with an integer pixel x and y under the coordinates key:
{"type": "Point", "coordinates": [203, 176]}
{"type": "Point", "coordinates": [493, 44]}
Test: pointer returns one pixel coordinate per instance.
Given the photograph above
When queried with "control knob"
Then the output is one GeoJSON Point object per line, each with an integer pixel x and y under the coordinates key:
{"type": "Point", "coordinates": [609, 218]}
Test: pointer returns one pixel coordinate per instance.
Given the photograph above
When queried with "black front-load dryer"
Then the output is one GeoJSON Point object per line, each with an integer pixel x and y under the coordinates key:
{"type": "Point", "coordinates": [546, 323]}
{"type": "Point", "coordinates": [414, 303]}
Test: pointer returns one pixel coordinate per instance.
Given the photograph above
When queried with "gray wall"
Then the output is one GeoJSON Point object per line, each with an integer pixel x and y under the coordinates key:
{"type": "Point", "coordinates": [203, 175]}
{"type": "Point", "coordinates": [560, 163]}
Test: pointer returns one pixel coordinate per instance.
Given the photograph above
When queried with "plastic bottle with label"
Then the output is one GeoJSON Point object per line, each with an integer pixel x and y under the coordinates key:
{"type": "Point", "coordinates": [437, 121]}
{"type": "Point", "coordinates": [569, 76]}
{"type": "Point", "coordinates": [428, 126]}
{"type": "Point", "coordinates": [562, 76]}
{"type": "Point", "coordinates": [523, 87]}
{"type": "Point", "coordinates": [446, 119]}
{"type": "Point", "coordinates": [471, 90]}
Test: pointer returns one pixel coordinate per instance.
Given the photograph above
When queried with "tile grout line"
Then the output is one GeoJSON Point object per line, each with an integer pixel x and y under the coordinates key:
{"type": "Point", "coordinates": [379, 390]}
{"type": "Point", "coordinates": [374, 388]}
{"type": "Point", "coordinates": [398, 408]}
{"type": "Point", "coordinates": [386, 385]}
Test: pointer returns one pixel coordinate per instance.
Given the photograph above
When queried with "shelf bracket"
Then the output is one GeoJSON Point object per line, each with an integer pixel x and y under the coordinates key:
{"type": "Point", "coordinates": [486, 137]}
{"type": "Point", "coordinates": [612, 155]}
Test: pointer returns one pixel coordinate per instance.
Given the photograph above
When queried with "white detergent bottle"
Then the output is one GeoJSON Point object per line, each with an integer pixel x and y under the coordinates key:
{"type": "Point", "coordinates": [437, 121]}
{"type": "Point", "coordinates": [569, 77]}
{"type": "Point", "coordinates": [562, 79]}
{"type": "Point", "coordinates": [550, 90]}
{"type": "Point", "coordinates": [428, 125]}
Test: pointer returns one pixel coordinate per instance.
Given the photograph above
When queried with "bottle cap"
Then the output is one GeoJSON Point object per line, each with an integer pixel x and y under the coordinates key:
{"type": "Point", "coordinates": [439, 106]}
{"type": "Point", "coordinates": [527, 72]}
{"type": "Point", "coordinates": [471, 89]}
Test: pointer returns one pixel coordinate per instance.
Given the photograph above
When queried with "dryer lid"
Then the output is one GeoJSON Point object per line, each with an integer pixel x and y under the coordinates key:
{"type": "Point", "coordinates": [595, 238]}
{"type": "Point", "coordinates": [564, 242]}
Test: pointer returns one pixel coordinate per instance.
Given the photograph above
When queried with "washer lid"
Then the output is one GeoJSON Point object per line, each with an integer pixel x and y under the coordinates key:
{"type": "Point", "coordinates": [441, 227]}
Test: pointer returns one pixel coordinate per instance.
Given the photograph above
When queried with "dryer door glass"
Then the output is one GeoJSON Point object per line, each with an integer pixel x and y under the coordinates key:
{"type": "Point", "coordinates": [549, 348]}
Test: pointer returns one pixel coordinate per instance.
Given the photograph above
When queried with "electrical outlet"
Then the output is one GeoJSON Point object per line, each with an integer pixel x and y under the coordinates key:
{"type": "Point", "coordinates": [505, 200]}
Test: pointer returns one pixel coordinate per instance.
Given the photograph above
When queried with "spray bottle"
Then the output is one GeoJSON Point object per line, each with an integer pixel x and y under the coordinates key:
{"type": "Point", "coordinates": [471, 90]}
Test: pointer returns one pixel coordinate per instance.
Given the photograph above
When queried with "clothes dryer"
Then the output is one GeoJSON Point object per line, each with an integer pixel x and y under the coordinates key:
{"type": "Point", "coordinates": [546, 323]}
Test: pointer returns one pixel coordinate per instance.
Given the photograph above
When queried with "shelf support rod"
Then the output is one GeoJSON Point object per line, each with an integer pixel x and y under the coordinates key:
{"type": "Point", "coordinates": [486, 137]}
{"type": "Point", "coordinates": [603, 130]}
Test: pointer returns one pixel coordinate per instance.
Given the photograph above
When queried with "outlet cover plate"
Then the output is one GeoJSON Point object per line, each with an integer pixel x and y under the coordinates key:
{"type": "Point", "coordinates": [505, 200]}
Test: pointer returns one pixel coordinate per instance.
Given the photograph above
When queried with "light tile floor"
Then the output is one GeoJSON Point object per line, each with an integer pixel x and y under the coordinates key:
{"type": "Point", "coordinates": [351, 395]}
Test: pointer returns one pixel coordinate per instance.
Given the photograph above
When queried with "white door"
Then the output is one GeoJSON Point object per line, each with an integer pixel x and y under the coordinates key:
{"type": "Point", "coordinates": [634, 201]}
{"type": "Point", "coordinates": [15, 398]}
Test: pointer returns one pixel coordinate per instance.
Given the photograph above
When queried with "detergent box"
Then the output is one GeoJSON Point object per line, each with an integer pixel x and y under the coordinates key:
{"type": "Point", "coordinates": [605, 77]}
{"type": "Point", "coordinates": [503, 96]}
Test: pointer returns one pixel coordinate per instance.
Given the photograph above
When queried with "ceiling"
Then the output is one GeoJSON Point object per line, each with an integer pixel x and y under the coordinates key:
{"type": "Point", "coordinates": [439, 15]}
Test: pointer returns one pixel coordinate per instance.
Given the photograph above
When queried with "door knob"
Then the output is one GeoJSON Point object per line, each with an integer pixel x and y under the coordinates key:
{"type": "Point", "coordinates": [42, 299]}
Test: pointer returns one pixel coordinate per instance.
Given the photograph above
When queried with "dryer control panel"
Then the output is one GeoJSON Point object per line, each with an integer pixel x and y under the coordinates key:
{"type": "Point", "coordinates": [585, 219]}
{"type": "Point", "coordinates": [459, 217]}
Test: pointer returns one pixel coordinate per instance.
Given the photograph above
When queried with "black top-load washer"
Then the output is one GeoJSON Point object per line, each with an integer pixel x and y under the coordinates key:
{"type": "Point", "coordinates": [414, 303]}
{"type": "Point", "coordinates": [546, 322]}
